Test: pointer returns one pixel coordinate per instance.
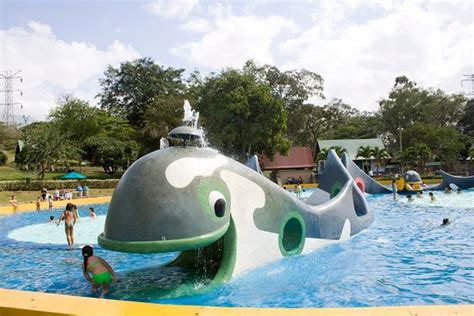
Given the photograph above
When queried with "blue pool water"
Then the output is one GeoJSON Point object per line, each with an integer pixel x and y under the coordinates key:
{"type": "Point", "coordinates": [404, 258]}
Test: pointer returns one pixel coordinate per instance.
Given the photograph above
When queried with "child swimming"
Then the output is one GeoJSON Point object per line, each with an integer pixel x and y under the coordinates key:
{"type": "Point", "coordinates": [102, 272]}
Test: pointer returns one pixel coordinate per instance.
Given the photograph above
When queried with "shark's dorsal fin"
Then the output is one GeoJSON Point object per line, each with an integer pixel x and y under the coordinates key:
{"type": "Point", "coordinates": [253, 164]}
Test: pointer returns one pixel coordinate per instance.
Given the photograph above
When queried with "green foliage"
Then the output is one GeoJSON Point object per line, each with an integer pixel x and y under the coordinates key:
{"type": "Point", "coordinates": [444, 142]}
{"type": "Point", "coordinates": [240, 115]}
{"type": "Point", "coordinates": [408, 105]}
{"type": "Point", "coordinates": [131, 88]}
{"type": "Point", "coordinates": [380, 155]}
{"type": "Point", "coordinates": [111, 153]}
{"type": "Point", "coordinates": [293, 87]}
{"type": "Point", "coordinates": [161, 116]}
{"type": "Point", "coordinates": [75, 119]}
{"type": "Point", "coordinates": [3, 158]}
{"type": "Point", "coordinates": [365, 152]}
{"type": "Point", "coordinates": [466, 123]}
{"type": "Point", "coordinates": [8, 136]}
{"type": "Point", "coordinates": [44, 147]}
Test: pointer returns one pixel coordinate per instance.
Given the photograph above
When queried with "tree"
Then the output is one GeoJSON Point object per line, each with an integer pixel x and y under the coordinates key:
{"type": "Point", "coordinates": [365, 152]}
{"type": "Point", "coordinates": [111, 153]}
{"type": "Point", "coordinates": [8, 136]}
{"type": "Point", "coordinates": [240, 115]}
{"type": "Point", "coordinates": [445, 143]}
{"type": "Point", "coordinates": [44, 147]}
{"type": "Point", "coordinates": [293, 87]}
{"type": "Point", "coordinates": [466, 123]}
{"type": "Point", "coordinates": [380, 155]}
{"type": "Point", "coordinates": [131, 88]}
{"type": "Point", "coordinates": [75, 119]}
{"type": "Point", "coordinates": [162, 115]}
{"type": "Point", "coordinates": [323, 154]}
{"type": "Point", "coordinates": [339, 150]}
{"type": "Point", "coordinates": [408, 104]}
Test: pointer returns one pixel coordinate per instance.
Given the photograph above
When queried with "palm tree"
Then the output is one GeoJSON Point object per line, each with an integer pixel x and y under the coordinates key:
{"type": "Point", "coordinates": [323, 154]}
{"type": "Point", "coordinates": [380, 155]}
{"type": "Point", "coordinates": [365, 152]}
{"type": "Point", "coordinates": [404, 158]}
{"type": "Point", "coordinates": [339, 150]}
{"type": "Point", "coordinates": [423, 154]}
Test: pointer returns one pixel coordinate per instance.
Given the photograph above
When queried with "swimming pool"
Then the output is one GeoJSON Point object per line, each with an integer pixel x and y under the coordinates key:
{"type": "Point", "coordinates": [404, 258]}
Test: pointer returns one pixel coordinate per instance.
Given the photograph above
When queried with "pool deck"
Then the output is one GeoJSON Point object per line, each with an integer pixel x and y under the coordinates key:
{"type": "Point", "coordinates": [28, 207]}
{"type": "Point", "coordinates": [23, 303]}
{"type": "Point", "coordinates": [13, 302]}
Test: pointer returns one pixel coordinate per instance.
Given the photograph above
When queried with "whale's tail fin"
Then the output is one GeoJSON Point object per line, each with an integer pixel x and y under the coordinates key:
{"type": "Point", "coordinates": [449, 179]}
{"type": "Point", "coordinates": [253, 164]}
{"type": "Point", "coordinates": [363, 181]}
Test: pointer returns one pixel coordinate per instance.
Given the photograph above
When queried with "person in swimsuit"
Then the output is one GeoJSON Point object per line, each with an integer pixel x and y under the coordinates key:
{"type": "Point", "coordinates": [102, 273]}
{"type": "Point", "coordinates": [69, 217]}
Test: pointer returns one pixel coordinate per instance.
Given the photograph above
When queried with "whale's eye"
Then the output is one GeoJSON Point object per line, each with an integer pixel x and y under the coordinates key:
{"type": "Point", "coordinates": [217, 203]}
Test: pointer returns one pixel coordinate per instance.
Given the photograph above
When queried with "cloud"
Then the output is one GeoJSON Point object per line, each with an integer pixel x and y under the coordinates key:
{"type": "Point", "coordinates": [231, 39]}
{"type": "Point", "coordinates": [172, 9]}
{"type": "Point", "coordinates": [51, 67]}
{"type": "Point", "coordinates": [360, 60]}
{"type": "Point", "coordinates": [196, 25]}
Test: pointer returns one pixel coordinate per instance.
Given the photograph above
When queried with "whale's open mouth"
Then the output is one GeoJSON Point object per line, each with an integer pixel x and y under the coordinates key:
{"type": "Point", "coordinates": [210, 258]}
{"type": "Point", "coordinates": [214, 262]}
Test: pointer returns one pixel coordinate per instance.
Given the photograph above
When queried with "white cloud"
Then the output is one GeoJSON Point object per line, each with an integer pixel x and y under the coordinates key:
{"type": "Point", "coordinates": [231, 40]}
{"type": "Point", "coordinates": [359, 62]}
{"type": "Point", "coordinates": [51, 67]}
{"type": "Point", "coordinates": [196, 25]}
{"type": "Point", "coordinates": [172, 9]}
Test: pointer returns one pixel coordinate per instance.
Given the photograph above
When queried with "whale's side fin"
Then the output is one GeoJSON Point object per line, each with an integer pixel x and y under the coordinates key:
{"type": "Point", "coordinates": [349, 205]}
{"type": "Point", "coordinates": [363, 181]}
{"type": "Point", "coordinates": [448, 179]}
{"type": "Point", "coordinates": [318, 197]}
{"type": "Point", "coordinates": [253, 164]}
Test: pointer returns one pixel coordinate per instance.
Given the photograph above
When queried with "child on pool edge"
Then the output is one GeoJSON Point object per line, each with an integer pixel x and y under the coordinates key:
{"type": "Point", "coordinates": [102, 272]}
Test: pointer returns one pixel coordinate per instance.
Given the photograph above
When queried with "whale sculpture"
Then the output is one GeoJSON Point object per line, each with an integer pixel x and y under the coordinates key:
{"type": "Point", "coordinates": [222, 216]}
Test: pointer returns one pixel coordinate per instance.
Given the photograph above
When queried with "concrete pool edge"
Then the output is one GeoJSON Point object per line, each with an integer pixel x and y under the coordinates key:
{"type": "Point", "coordinates": [14, 302]}
{"type": "Point", "coordinates": [28, 207]}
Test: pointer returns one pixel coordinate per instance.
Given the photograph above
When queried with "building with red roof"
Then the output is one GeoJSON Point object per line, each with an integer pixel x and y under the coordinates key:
{"type": "Point", "coordinates": [298, 164]}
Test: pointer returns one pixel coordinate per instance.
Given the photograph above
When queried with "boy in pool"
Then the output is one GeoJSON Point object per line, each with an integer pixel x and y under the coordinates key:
{"type": "Point", "coordinates": [432, 197]}
{"type": "Point", "coordinates": [410, 198]}
{"type": "Point", "coordinates": [92, 213]}
{"type": "Point", "coordinates": [446, 221]}
{"type": "Point", "coordinates": [69, 217]}
{"type": "Point", "coordinates": [102, 272]}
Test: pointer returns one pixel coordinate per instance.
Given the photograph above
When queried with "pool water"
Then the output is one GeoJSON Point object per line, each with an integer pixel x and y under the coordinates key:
{"type": "Point", "coordinates": [404, 258]}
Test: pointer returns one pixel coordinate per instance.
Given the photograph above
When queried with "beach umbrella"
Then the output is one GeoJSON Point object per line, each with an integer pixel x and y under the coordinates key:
{"type": "Point", "coordinates": [73, 176]}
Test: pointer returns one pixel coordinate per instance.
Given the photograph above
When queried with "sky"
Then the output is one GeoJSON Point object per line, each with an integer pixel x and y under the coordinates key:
{"type": "Point", "coordinates": [359, 47]}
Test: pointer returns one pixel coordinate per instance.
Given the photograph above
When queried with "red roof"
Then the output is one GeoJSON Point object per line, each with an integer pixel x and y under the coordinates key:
{"type": "Point", "coordinates": [298, 157]}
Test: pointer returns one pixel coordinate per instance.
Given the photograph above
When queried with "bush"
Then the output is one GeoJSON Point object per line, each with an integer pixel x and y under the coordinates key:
{"type": "Point", "coordinates": [3, 158]}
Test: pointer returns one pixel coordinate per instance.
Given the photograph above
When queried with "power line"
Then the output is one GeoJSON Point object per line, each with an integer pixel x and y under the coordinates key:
{"type": "Point", "coordinates": [9, 105]}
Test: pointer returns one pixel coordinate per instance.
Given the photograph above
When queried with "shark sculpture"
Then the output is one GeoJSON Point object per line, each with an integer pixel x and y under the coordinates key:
{"type": "Point", "coordinates": [223, 217]}
{"type": "Point", "coordinates": [449, 179]}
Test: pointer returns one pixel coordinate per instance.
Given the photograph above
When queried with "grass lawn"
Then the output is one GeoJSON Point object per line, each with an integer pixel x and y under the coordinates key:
{"type": "Point", "coordinates": [31, 196]}
{"type": "Point", "coordinates": [10, 172]}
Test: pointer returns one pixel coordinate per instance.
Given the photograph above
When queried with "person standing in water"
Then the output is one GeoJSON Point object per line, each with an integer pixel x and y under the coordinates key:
{"type": "Point", "coordinates": [69, 217]}
{"type": "Point", "coordinates": [394, 189]}
{"type": "Point", "coordinates": [102, 272]}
